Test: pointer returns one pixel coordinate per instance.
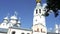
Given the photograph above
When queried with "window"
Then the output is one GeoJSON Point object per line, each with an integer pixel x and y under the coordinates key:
{"type": "Point", "coordinates": [44, 10]}
{"type": "Point", "coordinates": [41, 30]}
{"type": "Point", "coordinates": [22, 33]}
{"type": "Point", "coordinates": [28, 33]}
{"type": "Point", "coordinates": [39, 10]}
{"type": "Point", "coordinates": [13, 32]}
{"type": "Point", "coordinates": [37, 29]}
{"type": "Point", "coordinates": [36, 11]}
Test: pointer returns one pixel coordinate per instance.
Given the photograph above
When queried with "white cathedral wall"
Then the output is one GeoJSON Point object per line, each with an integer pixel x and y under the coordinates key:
{"type": "Point", "coordinates": [3, 33]}
{"type": "Point", "coordinates": [18, 31]}
{"type": "Point", "coordinates": [39, 33]}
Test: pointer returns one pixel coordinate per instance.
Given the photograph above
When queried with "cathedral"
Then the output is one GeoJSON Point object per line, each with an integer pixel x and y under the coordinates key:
{"type": "Point", "coordinates": [12, 25]}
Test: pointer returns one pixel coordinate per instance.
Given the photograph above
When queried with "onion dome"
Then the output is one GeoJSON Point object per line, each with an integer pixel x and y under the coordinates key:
{"type": "Point", "coordinates": [6, 18]}
{"type": "Point", "coordinates": [19, 22]}
{"type": "Point", "coordinates": [13, 17]}
{"type": "Point", "coordinates": [38, 1]}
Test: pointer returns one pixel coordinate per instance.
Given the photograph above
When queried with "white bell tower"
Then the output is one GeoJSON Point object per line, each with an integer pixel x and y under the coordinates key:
{"type": "Point", "coordinates": [39, 26]}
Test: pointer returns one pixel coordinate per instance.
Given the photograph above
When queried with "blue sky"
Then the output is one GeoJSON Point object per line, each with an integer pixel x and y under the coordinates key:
{"type": "Point", "coordinates": [25, 9]}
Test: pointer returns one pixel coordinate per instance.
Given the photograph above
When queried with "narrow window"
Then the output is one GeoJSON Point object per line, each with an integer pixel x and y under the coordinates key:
{"type": "Point", "coordinates": [41, 30]}
{"type": "Point", "coordinates": [37, 29]}
{"type": "Point", "coordinates": [39, 10]}
{"type": "Point", "coordinates": [13, 32]}
{"type": "Point", "coordinates": [36, 11]}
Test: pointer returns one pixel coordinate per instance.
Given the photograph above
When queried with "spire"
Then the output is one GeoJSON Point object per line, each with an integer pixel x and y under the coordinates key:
{"type": "Point", "coordinates": [15, 13]}
{"type": "Point", "coordinates": [38, 1]}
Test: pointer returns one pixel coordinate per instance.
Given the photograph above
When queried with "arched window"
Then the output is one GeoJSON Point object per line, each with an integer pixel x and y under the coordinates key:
{"type": "Point", "coordinates": [37, 29]}
{"type": "Point", "coordinates": [36, 11]}
{"type": "Point", "coordinates": [22, 33]}
{"type": "Point", "coordinates": [41, 30]}
{"type": "Point", "coordinates": [13, 32]}
{"type": "Point", "coordinates": [39, 10]}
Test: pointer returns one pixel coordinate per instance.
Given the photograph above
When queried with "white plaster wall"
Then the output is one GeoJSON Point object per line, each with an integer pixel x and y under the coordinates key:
{"type": "Point", "coordinates": [39, 20]}
{"type": "Point", "coordinates": [18, 31]}
{"type": "Point", "coordinates": [39, 33]}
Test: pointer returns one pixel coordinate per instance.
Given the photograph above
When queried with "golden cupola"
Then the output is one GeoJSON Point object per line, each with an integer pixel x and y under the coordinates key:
{"type": "Point", "coordinates": [38, 1]}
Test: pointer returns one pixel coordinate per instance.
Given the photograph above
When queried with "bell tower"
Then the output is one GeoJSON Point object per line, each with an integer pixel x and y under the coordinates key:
{"type": "Point", "coordinates": [39, 26]}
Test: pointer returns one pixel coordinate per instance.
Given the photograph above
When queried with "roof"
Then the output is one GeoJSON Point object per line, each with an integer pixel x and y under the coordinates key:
{"type": "Point", "coordinates": [2, 30]}
{"type": "Point", "coordinates": [27, 29]}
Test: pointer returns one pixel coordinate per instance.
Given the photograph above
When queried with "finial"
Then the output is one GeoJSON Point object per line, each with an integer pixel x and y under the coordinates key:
{"type": "Point", "coordinates": [15, 14]}
{"type": "Point", "coordinates": [38, 1]}
{"type": "Point", "coordinates": [8, 14]}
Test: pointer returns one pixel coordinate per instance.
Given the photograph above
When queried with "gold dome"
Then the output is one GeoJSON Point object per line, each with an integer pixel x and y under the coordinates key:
{"type": "Point", "coordinates": [38, 1]}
